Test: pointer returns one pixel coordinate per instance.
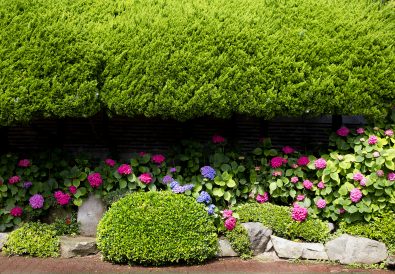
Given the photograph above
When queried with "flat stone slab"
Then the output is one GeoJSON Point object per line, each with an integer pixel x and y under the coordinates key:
{"type": "Point", "coordinates": [3, 239]}
{"type": "Point", "coordinates": [348, 249]}
{"type": "Point", "coordinates": [294, 250]}
{"type": "Point", "coordinates": [259, 236]}
{"type": "Point", "coordinates": [270, 256]}
{"type": "Point", "coordinates": [225, 249]}
{"type": "Point", "coordinates": [77, 246]}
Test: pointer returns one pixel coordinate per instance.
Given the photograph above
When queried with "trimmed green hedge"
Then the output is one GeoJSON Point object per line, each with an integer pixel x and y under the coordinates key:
{"type": "Point", "coordinates": [279, 219]}
{"type": "Point", "coordinates": [157, 228]}
{"type": "Point", "coordinates": [240, 241]}
{"type": "Point", "coordinates": [185, 59]}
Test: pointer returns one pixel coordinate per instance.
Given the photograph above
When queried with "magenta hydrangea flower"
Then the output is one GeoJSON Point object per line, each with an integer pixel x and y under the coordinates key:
{"type": "Point", "coordinates": [73, 189]}
{"type": "Point", "coordinates": [320, 163]}
{"type": "Point", "coordinates": [391, 176]}
{"type": "Point", "coordinates": [276, 162]}
{"type": "Point", "coordinates": [380, 173]}
{"type": "Point", "coordinates": [146, 178]}
{"type": "Point", "coordinates": [288, 150]}
{"type": "Point", "coordinates": [360, 130]}
{"type": "Point", "coordinates": [307, 184]}
{"type": "Point", "coordinates": [230, 223]}
{"type": "Point", "coordinates": [300, 197]}
{"type": "Point", "coordinates": [294, 179]}
{"type": "Point", "coordinates": [217, 139]}
{"type": "Point", "coordinates": [158, 158]}
{"type": "Point", "coordinates": [124, 169]}
{"type": "Point", "coordinates": [277, 173]}
{"type": "Point", "coordinates": [173, 170]}
{"type": "Point", "coordinates": [389, 133]}
{"type": "Point", "coordinates": [36, 201]}
{"type": "Point", "coordinates": [95, 179]}
{"type": "Point", "coordinates": [16, 211]}
{"type": "Point", "coordinates": [321, 203]}
{"type": "Point", "coordinates": [299, 213]}
{"type": "Point", "coordinates": [321, 185]}
{"type": "Point", "coordinates": [363, 181]}
{"type": "Point", "coordinates": [227, 213]}
{"type": "Point", "coordinates": [355, 195]}
{"type": "Point", "coordinates": [303, 161]}
{"type": "Point", "coordinates": [62, 198]}
{"type": "Point", "coordinates": [24, 163]}
{"type": "Point", "coordinates": [343, 131]}
{"type": "Point", "coordinates": [109, 162]}
{"type": "Point", "coordinates": [342, 211]}
{"type": "Point", "coordinates": [358, 176]}
{"type": "Point", "coordinates": [262, 198]}
{"type": "Point", "coordinates": [14, 180]}
{"type": "Point", "coordinates": [372, 140]}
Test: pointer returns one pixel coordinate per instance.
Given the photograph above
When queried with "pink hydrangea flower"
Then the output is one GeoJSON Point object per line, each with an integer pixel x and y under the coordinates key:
{"type": "Point", "coordinates": [276, 162]}
{"type": "Point", "coordinates": [73, 189]}
{"type": "Point", "coordinates": [277, 173]}
{"type": "Point", "coordinates": [299, 213]}
{"type": "Point", "coordinates": [321, 185]}
{"type": "Point", "coordinates": [217, 139]}
{"type": "Point", "coordinates": [288, 150]}
{"type": "Point", "coordinates": [380, 173]}
{"type": "Point", "coordinates": [146, 178]}
{"type": "Point", "coordinates": [124, 169]}
{"type": "Point", "coordinates": [342, 211]}
{"type": "Point", "coordinates": [62, 198]}
{"type": "Point", "coordinates": [24, 163]}
{"type": "Point", "coordinates": [294, 179]}
{"type": "Point", "coordinates": [389, 133]}
{"type": "Point", "coordinates": [36, 201]}
{"type": "Point", "coordinates": [321, 203]}
{"type": "Point", "coordinates": [391, 176]}
{"type": "Point", "coordinates": [307, 184]}
{"type": "Point", "coordinates": [294, 166]}
{"type": "Point", "coordinates": [262, 198]}
{"type": "Point", "coordinates": [14, 180]}
{"type": "Point", "coordinates": [343, 131]}
{"type": "Point", "coordinates": [320, 163]}
{"type": "Point", "coordinates": [303, 161]}
{"type": "Point", "coordinates": [363, 181]}
{"type": "Point", "coordinates": [355, 195]}
{"type": "Point", "coordinates": [110, 162]}
{"type": "Point", "coordinates": [285, 160]}
{"type": "Point", "coordinates": [227, 213]}
{"type": "Point", "coordinates": [158, 158]}
{"type": "Point", "coordinates": [230, 223]}
{"type": "Point", "coordinates": [16, 211]}
{"type": "Point", "coordinates": [258, 168]}
{"type": "Point", "coordinates": [95, 179]}
{"type": "Point", "coordinates": [300, 197]}
{"type": "Point", "coordinates": [360, 130]}
{"type": "Point", "coordinates": [376, 154]}
{"type": "Point", "coordinates": [358, 176]}
{"type": "Point", "coordinates": [372, 140]}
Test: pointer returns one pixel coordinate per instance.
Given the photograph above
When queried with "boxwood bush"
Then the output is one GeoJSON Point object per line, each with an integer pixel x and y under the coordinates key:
{"type": "Point", "coordinates": [240, 241]}
{"type": "Point", "coordinates": [34, 239]}
{"type": "Point", "coordinates": [279, 219]}
{"type": "Point", "coordinates": [157, 228]}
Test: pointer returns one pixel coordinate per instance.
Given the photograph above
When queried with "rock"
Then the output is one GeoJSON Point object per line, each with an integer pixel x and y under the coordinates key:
{"type": "Point", "coordinates": [77, 246]}
{"type": "Point", "coordinates": [3, 239]}
{"type": "Point", "coordinates": [225, 249]}
{"type": "Point", "coordinates": [270, 256]}
{"type": "Point", "coordinates": [269, 247]}
{"type": "Point", "coordinates": [390, 263]}
{"type": "Point", "coordinates": [259, 236]}
{"type": "Point", "coordinates": [89, 215]}
{"type": "Point", "coordinates": [331, 227]}
{"type": "Point", "coordinates": [349, 249]}
{"type": "Point", "coordinates": [293, 250]}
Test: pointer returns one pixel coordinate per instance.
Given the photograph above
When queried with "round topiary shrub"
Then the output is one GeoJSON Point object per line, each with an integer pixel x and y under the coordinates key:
{"type": "Point", "coordinates": [157, 228]}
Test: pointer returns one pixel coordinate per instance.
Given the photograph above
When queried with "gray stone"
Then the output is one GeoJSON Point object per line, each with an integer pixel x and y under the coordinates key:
{"type": "Point", "coordinates": [331, 227]}
{"type": "Point", "coordinates": [294, 250]}
{"type": "Point", "coordinates": [259, 236]}
{"type": "Point", "coordinates": [225, 249]}
{"type": "Point", "coordinates": [349, 249]}
{"type": "Point", "coordinates": [77, 246]}
{"type": "Point", "coordinates": [269, 247]}
{"type": "Point", "coordinates": [270, 256]}
{"type": "Point", "coordinates": [89, 215]}
{"type": "Point", "coordinates": [3, 239]}
{"type": "Point", "coordinates": [390, 263]}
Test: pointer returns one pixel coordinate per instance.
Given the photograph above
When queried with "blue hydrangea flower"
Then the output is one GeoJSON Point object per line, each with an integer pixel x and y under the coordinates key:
{"type": "Point", "coordinates": [208, 172]}
{"type": "Point", "coordinates": [211, 209]}
{"type": "Point", "coordinates": [204, 197]}
{"type": "Point", "coordinates": [181, 189]}
{"type": "Point", "coordinates": [174, 184]}
{"type": "Point", "coordinates": [188, 187]}
{"type": "Point", "coordinates": [27, 185]}
{"type": "Point", "coordinates": [167, 179]}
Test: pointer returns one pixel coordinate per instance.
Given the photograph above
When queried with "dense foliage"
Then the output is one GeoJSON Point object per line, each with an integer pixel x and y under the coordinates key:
{"type": "Point", "coordinates": [185, 59]}
{"type": "Point", "coordinates": [157, 228]}
{"type": "Point", "coordinates": [34, 239]}
{"type": "Point", "coordinates": [240, 241]}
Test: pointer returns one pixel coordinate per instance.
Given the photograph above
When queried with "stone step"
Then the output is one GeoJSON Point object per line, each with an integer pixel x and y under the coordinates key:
{"type": "Point", "coordinates": [77, 246]}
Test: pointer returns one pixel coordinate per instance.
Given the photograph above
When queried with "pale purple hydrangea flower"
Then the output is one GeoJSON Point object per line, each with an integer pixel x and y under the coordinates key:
{"type": "Point", "coordinates": [36, 201]}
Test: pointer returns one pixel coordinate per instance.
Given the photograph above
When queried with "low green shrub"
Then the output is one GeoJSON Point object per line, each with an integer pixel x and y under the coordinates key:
{"type": "Point", "coordinates": [240, 242]}
{"type": "Point", "coordinates": [157, 228]}
{"type": "Point", "coordinates": [380, 229]}
{"type": "Point", "coordinates": [67, 225]}
{"type": "Point", "coordinates": [34, 239]}
{"type": "Point", "coordinates": [279, 219]}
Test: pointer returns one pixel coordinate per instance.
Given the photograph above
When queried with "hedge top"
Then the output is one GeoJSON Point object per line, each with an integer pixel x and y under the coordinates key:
{"type": "Point", "coordinates": [184, 59]}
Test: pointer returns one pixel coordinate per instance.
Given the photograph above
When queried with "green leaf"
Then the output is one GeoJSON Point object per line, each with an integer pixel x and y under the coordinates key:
{"type": "Point", "coordinates": [231, 183]}
{"type": "Point", "coordinates": [272, 187]}
{"type": "Point", "coordinates": [219, 192]}
{"type": "Point", "coordinates": [257, 151]}
{"type": "Point", "coordinates": [227, 196]}
{"type": "Point", "coordinates": [77, 202]}
{"type": "Point", "coordinates": [122, 183]}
